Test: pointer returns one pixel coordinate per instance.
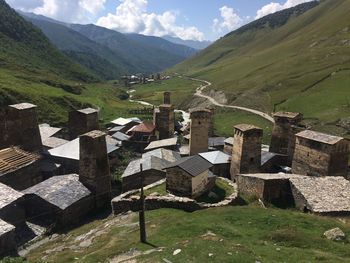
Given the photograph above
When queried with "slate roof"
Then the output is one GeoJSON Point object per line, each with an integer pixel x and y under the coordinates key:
{"type": "Point", "coordinates": [12, 159]}
{"type": "Point", "coordinates": [324, 194]}
{"type": "Point", "coordinates": [267, 156]}
{"type": "Point", "coordinates": [286, 114]}
{"type": "Point", "coordinates": [125, 121]}
{"type": "Point", "coordinates": [216, 157]}
{"type": "Point", "coordinates": [162, 144]}
{"type": "Point", "coordinates": [165, 154]}
{"type": "Point", "coordinates": [121, 136]}
{"type": "Point", "coordinates": [229, 141]}
{"type": "Point", "coordinates": [54, 142]}
{"type": "Point", "coordinates": [71, 150]}
{"type": "Point", "coordinates": [319, 137]}
{"type": "Point", "coordinates": [88, 111]}
{"type": "Point", "coordinates": [148, 163]}
{"type": "Point", "coordinates": [46, 131]}
{"type": "Point", "coordinates": [216, 141]}
{"type": "Point", "coordinates": [116, 129]}
{"type": "Point", "coordinates": [266, 176]}
{"type": "Point", "coordinates": [8, 195]}
{"type": "Point", "coordinates": [23, 106]}
{"type": "Point", "coordinates": [247, 127]}
{"type": "Point", "coordinates": [61, 191]}
{"type": "Point", "coordinates": [194, 165]}
{"type": "Point", "coordinates": [5, 227]}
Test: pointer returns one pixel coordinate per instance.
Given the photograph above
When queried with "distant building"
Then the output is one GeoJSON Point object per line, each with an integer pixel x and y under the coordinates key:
{"type": "Point", "coordinates": [200, 121]}
{"type": "Point", "coordinates": [19, 169]}
{"type": "Point", "coordinates": [188, 177]}
{"type": "Point", "coordinates": [124, 124]}
{"type": "Point", "coordinates": [319, 154]}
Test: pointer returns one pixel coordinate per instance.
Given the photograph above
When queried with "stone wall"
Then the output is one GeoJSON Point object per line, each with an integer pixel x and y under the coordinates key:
{"type": "Point", "coordinates": [24, 177]}
{"type": "Point", "coordinates": [134, 181]}
{"type": "Point", "coordinates": [222, 170]}
{"type": "Point", "coordinates": [199, 184]}
{"type": "Point", "coordinates": [13, 213]}
{"type": "Point", "coordinates": [178, 182]}
{"type": "Point", "coordinates": [124, 203]}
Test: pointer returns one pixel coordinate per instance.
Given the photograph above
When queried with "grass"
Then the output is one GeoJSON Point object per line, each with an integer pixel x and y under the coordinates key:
{"type": "Point", "coordinates": [182, 91]}
{"type": "Point", "coordinates": [231, 234]}
{"type": "Point", "coordinates": [286, 68]}
{"type": "Point", "coordinates": [226, 119]}
{"type": "Point", "coordinates": [220, 191]}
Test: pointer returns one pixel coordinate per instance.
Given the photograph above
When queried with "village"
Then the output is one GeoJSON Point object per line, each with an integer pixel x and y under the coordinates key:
{"type": "Point", "coordinates": [50, 179]}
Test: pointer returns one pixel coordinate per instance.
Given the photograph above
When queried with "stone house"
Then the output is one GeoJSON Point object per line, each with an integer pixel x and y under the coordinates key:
{"type": "Point", "coordinates": [152, 171]}
{"type": "Point", "coordinates": [19, 169]}
{"type": "Point", "coordinates": [221, 163]}
{"type": "Point", "coordinates": [11, 209]}
{"type": "Point", "coordinates": [319, 154]}
{"type": "Point", "coordinates": [142, 132]}
{"type": "Point", "coordinates": [271, 188]}
{"type": "Point", "coordinates": [61, 199]}
{"type": "Point", "coordinates": [7, 238]}
{"type": "Point", "coordinates": [188, 177]}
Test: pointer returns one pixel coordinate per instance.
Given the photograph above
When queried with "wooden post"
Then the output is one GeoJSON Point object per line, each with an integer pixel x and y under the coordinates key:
{"type": "Point", "coordinates": [142, 211]}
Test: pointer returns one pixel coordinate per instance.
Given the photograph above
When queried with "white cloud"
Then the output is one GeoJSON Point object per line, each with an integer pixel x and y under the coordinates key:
{"type": "Point", "coordinates": [274, 7]}
{"type": "Point", "coordinates": [229, 20]}
{"type": "Point", "coordinates": [131, 16]}
{"type": "Point", "coordinates": [64, 10]}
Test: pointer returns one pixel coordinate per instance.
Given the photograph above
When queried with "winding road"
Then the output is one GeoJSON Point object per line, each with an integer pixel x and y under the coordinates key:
{"type": "Point", "coordinates": [214, 102]}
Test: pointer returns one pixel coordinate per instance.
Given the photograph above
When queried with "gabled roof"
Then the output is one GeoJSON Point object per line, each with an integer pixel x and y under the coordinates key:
{"type": "Point", "coordinates": [125, 121]}
{"type": "Point", "coordinates": [229, 141]}
{"type": "Point", "coordinates": [165, 154]}
{"type": "Point", "coordinates": [148, 163]}
{"type": "Point", "coordinates": [121, 136]}
{"type": "Point", "coordinates": [216, 141]}
{"type": "Point", "coordinates": [61, 191]}
{"type": "Point", "coordinates": [194, 165]}
{"type": "Point", "coordinates": [46, 131]}
{"type": "Point", "coordinates": [267, 156]}
{"type": "Point", "coordinates": [8, 195]}
{"type": "Point", "coordinates": [54, 142]}
{"type": "Point", "coordinates": [145, 127]}
{"type": "Point", "coordinates": [12, 159]}
{"type": "Point", "coordinates": [216, 157]}
{"type": "Point", "coordinates": [116, 129]}
{"type": "Point", "coordinates": [71, 150]}
{"type": "Point", "coordinates": [88, 111]}
{"type": "Point", "coordinates": [162, 144]}
{"type": "Point", "coordinates": [5, 227]}
{"type": "Point", "coordinates": [319, 137]}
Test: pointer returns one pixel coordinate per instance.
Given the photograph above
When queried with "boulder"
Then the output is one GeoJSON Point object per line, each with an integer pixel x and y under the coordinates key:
{"type": "Point", "coordinates": [335, 234]}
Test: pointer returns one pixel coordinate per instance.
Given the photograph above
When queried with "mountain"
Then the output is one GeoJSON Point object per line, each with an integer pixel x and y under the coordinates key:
{"type": "Point", "coordinates": [96, 57]}
{"type": "Point", "coordinates": [198, 45]}
{"type": "Point", "coordinates": [297, 60]}
{"type": "Point", "coordinates": [146, 58]}
{"type": "Point", "coordinates": [160, 43]}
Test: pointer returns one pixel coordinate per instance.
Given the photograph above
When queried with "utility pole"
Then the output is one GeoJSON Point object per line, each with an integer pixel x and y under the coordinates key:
{"type": "Point", "coordinates": [142, 211]}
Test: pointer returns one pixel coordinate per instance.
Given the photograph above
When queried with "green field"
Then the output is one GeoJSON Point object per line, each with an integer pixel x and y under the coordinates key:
{"type": "Point", "coordinates": [302, 65]}
{"type": "Point", "coordinates": [230, 234]}
{"type": "Point", "coordinates": [181, 91]}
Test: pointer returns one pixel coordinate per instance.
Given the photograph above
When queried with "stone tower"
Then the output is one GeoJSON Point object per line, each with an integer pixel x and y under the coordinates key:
{"type": "Point", "coordinates": [94, 166]}
{"type": "Point", "coordinates": [211, 123]}
{"type": "Point", "coordinates": [200, 122]}
{"type": "Point", "coordinates": [165, 118]}
{"type": "Point", "coordinates": [20, 123]}
{"type": "Point", "coordinates": [246, 152]}
{"type": "Point", "coordinates": [82, 121]}
{"type": "Point", "coordinates": [287, 124]}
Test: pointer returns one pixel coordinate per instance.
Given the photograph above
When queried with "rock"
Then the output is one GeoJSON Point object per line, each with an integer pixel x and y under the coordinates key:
{"type": "Point", "coordinates": [177, 251]}
{"type": "Point", "coordinates": [335, 234]}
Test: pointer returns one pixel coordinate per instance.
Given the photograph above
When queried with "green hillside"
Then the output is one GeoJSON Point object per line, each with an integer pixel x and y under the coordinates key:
{"type": "Point", "coordinates": [33, 70]}
{"type": "Point", "coordinates": [297, 60]}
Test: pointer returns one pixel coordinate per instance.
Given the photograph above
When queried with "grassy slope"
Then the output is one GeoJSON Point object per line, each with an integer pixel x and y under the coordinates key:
{"type": "Point", "coordinates": [33, 70]}
{"type": "Point", "coordinates": [288, 67]}
{"type": "Point", "coordinates": [242, 234]}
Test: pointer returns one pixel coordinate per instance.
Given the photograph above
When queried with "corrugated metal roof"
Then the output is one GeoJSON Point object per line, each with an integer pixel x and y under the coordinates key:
{"type": "Point", "coordinates": [121, 136]}
{"type": "Point", "coordinates": [116, 129]}
{"type": "Point", "coordinates": [216, 141]}
{"type": "Point", "coordinates": [162, 143]}
{"type": "Point", "coordinates": [8, 195]}
{"type": "Point", "coordinates": [46, 131]}
{"type": "Point", "coordinates": [12, 159]}
{"type": "Point", "coordinates": [125, 121]}
{"type": "Point", "coordinates": [61, 191]}
{"type": "Point", "coordinates": [5, 227]}
{"type": "Point", "coordinates": [194, 165]}
{"type": "Point", "coordinates": [216, 157]}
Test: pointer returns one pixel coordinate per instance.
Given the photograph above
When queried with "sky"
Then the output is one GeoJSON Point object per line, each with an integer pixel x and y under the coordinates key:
{"type": "Point", "coordinates": [186, 19]}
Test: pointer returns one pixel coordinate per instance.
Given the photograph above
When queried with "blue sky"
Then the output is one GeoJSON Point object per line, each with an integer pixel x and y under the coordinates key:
{"type": "Point", "coordinates": [187, 19]}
